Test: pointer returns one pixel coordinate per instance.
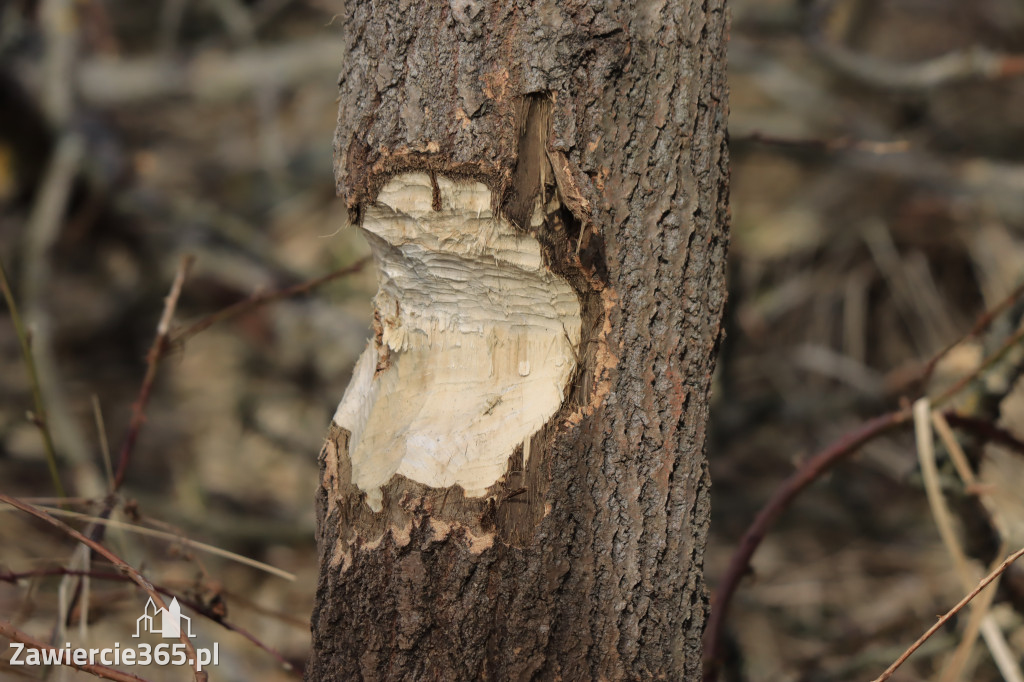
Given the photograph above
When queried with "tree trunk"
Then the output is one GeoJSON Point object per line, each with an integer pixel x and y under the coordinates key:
{"type": "Point", "coordinates": [514, 485]}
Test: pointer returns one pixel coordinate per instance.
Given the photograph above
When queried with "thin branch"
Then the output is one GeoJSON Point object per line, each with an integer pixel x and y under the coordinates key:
{"type": "Point", "coordinates": [59, 23]}
{"type": "Point", "coordinates": [949, 614]}
{"type": "Point", "coordinates": [101, 432]}
{"type": "Point", "coordinates": [800, 479]}
{"type": "Point", "coordinates": [809, 472]}
{"type": "Point", "coordinates": [117, 561]}
{"type": "Point", "coordinates": [165, 340]}
{"type": "Point", "coordinates": [985, 430]}
{"type": "Point", "coordinates": [153, 358]}
{"type": "Point", "coordinates": [961, 462]}
{"type": "Point", "coordinates": [247, 305]}
{"type": "Point", "coordinates": [176, 538]}
{"type": "Point", "coordinates": [965, 380]}
{"type": "Point", "coordinates": [14, 634]}
{"type": "Point", "coordinates": [39, 415]}
{"type": "Point", "coordinates": [975, 63]}
{"type": "Point", "coordinates": [106, 82]}
{"type": "Point", "coordinates": [925, 442]}
{"type": "Point", "coordinates": [824, 145]}
{"type": "Point", "coordinates": [201, 609]}
{"type": "Point", "coordinates": [982, 323]}
{"type": "Point", "coordinates": [66, 501]}
{"type": "Point", "coordinates": [43, 231]}
{"type": "Point", "coordinates": [981, 619]}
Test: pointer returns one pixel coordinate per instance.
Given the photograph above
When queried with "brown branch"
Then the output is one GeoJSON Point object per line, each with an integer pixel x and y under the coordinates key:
{"type": "Point", "coordinates": [949, 614]}
{"type": "Point", "coordinates": [824, 145]}
{"type": "Point", "coordinates": [45, 225]}
{"type": "Point", "coordinates": [982, 323]}
{"type": "Point", "coordinates": [211, 75]}
{"type": "Point", "coordinates": [975, 63]}
{"type": "Point", "coordinates": [166, 339]}
{"type": "Point", "coordinates": [986, 430]}
{"type": "Point", "coordinates": [153, 358]}
{"type": "Point", "coordinates": [161, 344]}
{"type": "Point", "coordinates": [965, 380]}
{"type": "Point", "coordinates": [810, 471]}
{"type": "Point", "coordinates": [117, 561]}
{"type": "Point", "coordinates": [14, 634]}
{"type": "Point", "coordinates": [247, 603]}
{"type": "Point", "coordinates": [39, 416]}
{"type": "Point", "coordinates": [205, 611]}
{"type": "Point", "coordinates": [181, 335]}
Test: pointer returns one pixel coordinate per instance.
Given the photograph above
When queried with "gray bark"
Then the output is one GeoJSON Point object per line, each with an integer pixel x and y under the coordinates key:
{"type": "Point", "coordinates": [586, 563]}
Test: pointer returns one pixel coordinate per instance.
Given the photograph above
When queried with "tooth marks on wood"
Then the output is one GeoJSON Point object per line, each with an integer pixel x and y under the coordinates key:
{"type": "Point", "coordinates": [477, 343]}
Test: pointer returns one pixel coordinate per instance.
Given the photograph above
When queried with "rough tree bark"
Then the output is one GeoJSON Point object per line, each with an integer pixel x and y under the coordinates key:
{"type": "Point", "coordinates": [499, 154]}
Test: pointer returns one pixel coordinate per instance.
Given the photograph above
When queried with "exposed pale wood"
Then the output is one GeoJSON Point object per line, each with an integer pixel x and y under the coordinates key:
{"type": "Point", "coordinates": [476, 341]}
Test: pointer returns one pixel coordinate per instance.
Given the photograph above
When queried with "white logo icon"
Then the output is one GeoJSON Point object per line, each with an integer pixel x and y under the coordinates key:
{"type": "Point", "coordinates": [164, 622]}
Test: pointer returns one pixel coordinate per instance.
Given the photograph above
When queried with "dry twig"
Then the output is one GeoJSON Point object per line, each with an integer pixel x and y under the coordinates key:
{"type": "Point", "coordinates": [199, 608]}
{"type": "Point", "coordinates": [811, 470]}
{"type": "Point", "coordinates": [976, 63]}
{"type": "Point", "coordinates": [949, 614]}
{"type": "Point", "coordinates": [982, 324]}
{"type": "Point", "coordinates": [39, 415]}
{"type": "Point", "coordinates": [783, 496]}
{"type": "Point", "coordinates": [985, 430]}
{"type": "Point", "coordinates": [153, 358]}
{"type": "Point", "coordinates": [14, 634]}
{"type": "Point", "coordinates": [117, 561]}
{"type": "Point", "coordinates": [181, 335]}
{"type": "Point", "coordinates": [980, 619]}
{"type": "Point", "coordinates": [108, 82]}
{"type": "Point", "coordinates": [175, 538]}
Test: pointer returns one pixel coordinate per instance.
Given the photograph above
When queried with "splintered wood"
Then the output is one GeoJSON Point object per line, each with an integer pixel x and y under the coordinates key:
{"type": "Point", "coordinates": [476, 341]}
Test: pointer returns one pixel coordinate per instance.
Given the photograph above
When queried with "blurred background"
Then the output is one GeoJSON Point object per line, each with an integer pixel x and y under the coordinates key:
{"type": "Point", "coordinates": [878, 210]}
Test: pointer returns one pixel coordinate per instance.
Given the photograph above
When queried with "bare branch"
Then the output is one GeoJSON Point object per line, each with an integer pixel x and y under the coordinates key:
{"type": "Point", "coordinates": [809, 472]}
{"type": "Point", "coordinates": [949, 614]}
{"type": "Point", "coordinates": [107, 82]}
{"type": "Point", "coordinates": [201, 609]}
{"type": "Point", "coordinates": [812, 469]}
{"type": "Point", "coordinates": [39, 415]}
{"type": "Point", "coordinates": [982, 323]}
{"type": "Point", "coordinates": [156, 354]}
{"type": "Point", "coordinates": [986, 430]}
{"type": "Point", "coordinates": [177, 538]}
{"type": "Point", "coordinates": [181, 335]}
{"type": "Point", "coordinates": [976, 63]}
{"type": "Point", "coordinates": [101, 671]}
{"type": "Point", "coordinates": [120, 563]}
